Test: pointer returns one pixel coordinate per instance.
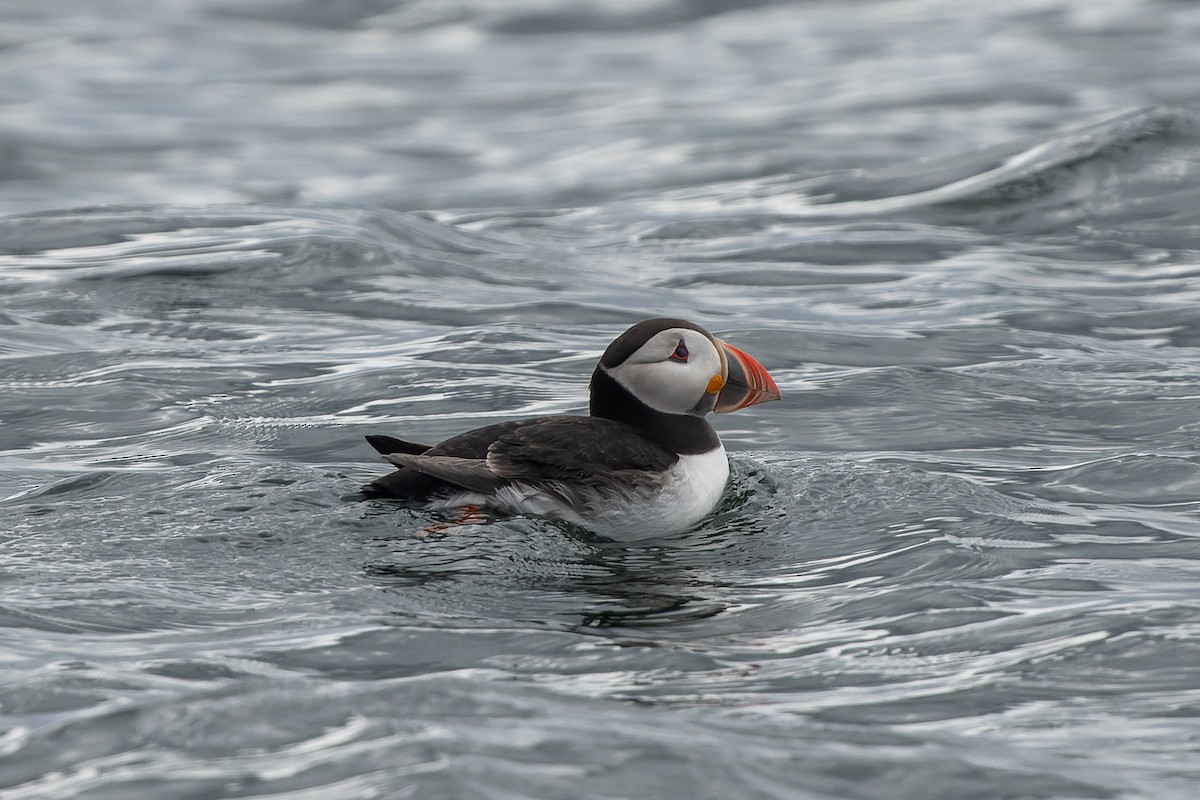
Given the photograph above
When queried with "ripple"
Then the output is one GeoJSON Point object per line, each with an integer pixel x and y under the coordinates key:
{"type": "Point", "coordinates": [954, 561]}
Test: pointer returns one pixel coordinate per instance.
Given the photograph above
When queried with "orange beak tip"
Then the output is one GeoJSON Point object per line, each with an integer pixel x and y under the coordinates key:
{"type": "Point", "coordinates": [748, 382]}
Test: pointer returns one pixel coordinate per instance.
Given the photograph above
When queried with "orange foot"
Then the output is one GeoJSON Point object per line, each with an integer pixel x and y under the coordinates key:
{"type": "Point", "coordinates": [467, 515]}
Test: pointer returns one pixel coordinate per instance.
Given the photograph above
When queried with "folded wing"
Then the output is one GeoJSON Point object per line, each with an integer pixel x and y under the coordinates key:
{"type": "Point", "coordinates": [563, 454]}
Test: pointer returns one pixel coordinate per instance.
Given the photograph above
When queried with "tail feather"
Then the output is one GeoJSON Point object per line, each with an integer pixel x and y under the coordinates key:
{"type": "Point", "coordinates": [387, 445]}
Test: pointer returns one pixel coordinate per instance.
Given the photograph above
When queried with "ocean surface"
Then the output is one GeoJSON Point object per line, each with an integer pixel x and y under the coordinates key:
{"type": "Point", "coordinates": [961, 559]}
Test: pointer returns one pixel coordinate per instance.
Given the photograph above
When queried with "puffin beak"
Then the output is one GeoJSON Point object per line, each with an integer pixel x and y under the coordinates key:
{"type": "Point", "coordinates": [747, 382]}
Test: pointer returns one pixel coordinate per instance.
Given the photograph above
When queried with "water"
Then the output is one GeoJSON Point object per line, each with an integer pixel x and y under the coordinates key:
{"type": "Point", "coordinates": [959, 560]}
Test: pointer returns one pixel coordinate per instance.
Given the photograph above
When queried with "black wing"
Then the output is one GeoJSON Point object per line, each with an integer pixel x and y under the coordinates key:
{"type": "Point", "coordinates": [544, 449]}
{"type": "Point", "coordinates": [414, 485]}
{"type": "Point", "coordinates": [575, 448]}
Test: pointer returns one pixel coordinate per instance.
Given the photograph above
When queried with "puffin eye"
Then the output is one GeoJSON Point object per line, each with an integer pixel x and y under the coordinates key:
{"type": "Point", "coordinates": [681, 352]}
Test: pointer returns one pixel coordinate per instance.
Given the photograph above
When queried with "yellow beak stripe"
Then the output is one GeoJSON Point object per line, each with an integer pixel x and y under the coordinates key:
{"type": "Point", "coordinates": [715, 384]}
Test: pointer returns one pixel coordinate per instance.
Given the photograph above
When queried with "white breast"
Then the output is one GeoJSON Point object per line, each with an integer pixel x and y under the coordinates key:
{"type": "Point", "coordinates": [690, 490]}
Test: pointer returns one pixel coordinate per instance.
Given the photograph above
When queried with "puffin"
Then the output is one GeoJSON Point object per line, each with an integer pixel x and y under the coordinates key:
{"type": "Point", "coordinates": [645, 461]}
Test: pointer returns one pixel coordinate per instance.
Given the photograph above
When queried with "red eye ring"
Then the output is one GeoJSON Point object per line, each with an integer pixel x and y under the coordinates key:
{"type": "Point", "coordinates": [681, 352]}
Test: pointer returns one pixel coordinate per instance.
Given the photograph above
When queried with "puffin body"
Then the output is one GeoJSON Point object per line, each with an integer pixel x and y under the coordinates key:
{"type": "Point", "coordinates": [644, 462]}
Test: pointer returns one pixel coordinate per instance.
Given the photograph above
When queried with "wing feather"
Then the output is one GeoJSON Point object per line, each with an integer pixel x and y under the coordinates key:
{"type": "Point", "coordinates": [575, 448]}
{"type": "Point", "coordinates": [569, 457]}
{"type": "Point", "coordinates": [469, 473]}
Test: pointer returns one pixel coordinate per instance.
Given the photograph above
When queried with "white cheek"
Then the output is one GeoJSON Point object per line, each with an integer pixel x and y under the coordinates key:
{"type": "Point", "coordinates": [707, 364]}
{"type": "Point", "coordinates": [667, 386]}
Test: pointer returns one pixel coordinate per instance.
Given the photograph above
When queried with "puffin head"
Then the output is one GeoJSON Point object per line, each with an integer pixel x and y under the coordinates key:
{"type": "Point", "coordinates": [677, 367]}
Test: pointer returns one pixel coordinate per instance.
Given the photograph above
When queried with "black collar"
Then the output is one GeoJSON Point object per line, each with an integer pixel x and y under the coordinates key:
{"type": "Point", "coordinates": [681, 433]}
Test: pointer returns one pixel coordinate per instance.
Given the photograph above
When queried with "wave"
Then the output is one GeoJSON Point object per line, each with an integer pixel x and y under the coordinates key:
{"type": "Point", "coordinates": [1140, 165]}
{"type": "Point", "coordinates": [105, 242]}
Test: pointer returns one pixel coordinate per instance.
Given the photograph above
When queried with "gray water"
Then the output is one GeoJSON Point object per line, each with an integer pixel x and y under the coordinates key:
{"type": "Point", "coordinates": [959, 560]}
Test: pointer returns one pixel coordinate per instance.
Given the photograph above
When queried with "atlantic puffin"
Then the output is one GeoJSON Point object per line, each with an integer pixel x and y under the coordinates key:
{"type": "Point", "coordinates": [644, 462]}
